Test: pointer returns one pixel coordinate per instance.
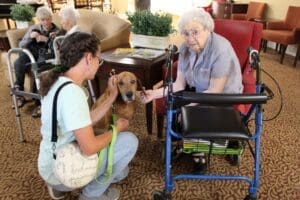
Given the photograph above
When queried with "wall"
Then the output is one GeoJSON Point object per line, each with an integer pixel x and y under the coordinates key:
{"type": "Point", "coordinates": [172, 6]}
{"type": "Point", "coordinates": [276, 8]}
{"type": "Point", "coordinates": [120, 6]}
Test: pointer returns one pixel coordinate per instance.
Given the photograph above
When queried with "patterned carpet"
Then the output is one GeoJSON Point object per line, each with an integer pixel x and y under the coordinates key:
{"type": "Point", "coordinates": [280, 174]}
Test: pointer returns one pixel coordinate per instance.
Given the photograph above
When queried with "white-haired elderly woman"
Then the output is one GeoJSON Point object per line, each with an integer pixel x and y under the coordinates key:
{"type": "Point", "coordinates": [69, 17]}
{"type": "Point", "coordinates": [37, 40]}
{"type": "Point", "coordinates": [207, 61]}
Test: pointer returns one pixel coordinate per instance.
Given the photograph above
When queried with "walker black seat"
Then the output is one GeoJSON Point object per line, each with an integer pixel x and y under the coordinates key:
{"type": "Point", "coordinates": [213, 123]}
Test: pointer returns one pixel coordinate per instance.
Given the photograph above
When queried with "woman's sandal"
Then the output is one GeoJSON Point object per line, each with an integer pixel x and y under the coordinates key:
{"type": "Point", "coordinates": [36, 112]}
{"type": "Point", "coordinates": [20, 102]}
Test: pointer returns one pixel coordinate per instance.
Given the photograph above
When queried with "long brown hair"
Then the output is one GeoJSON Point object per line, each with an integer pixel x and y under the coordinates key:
{"type": "Point", "coordinates": [71, 51]}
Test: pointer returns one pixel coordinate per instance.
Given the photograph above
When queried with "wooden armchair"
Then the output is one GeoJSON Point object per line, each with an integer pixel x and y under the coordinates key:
{"type": "Point", "coordinates": [285, 32]}
{"type": "Point", "coordinates": [256, 10]}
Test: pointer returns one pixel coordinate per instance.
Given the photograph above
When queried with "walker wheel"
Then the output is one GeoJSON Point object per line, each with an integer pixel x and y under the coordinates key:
{"type": "Point", "coordinates": [160, 195]}
{"type": "Point", "coordinates": [250, 197]}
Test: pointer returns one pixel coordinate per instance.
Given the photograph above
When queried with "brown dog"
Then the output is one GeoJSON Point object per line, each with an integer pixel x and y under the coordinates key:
{"type": "Point", "coordinates": [126, 102]}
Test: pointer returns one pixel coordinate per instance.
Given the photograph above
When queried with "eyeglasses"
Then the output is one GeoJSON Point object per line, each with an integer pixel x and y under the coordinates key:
{"type": "Point", "coordinates": [192, 32]}
{"type": "Point", "coordinates": [100, 60]}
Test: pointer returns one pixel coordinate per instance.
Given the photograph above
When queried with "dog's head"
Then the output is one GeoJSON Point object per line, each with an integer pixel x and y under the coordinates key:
{"type": "Point", "coordinates": [127, 85]}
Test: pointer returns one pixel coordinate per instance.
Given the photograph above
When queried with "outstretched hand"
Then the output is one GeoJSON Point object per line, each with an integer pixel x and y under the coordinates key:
{"type": "Point", "coordinates": [147, 96]}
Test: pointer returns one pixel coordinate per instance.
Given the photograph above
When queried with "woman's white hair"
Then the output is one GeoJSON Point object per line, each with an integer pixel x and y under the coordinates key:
{"type": "Point", "coordinates": [43, 12]}
{"type": "Point", "coordinates": [69, 13]}
{"type": "Point", "coordinates": [198, 15]}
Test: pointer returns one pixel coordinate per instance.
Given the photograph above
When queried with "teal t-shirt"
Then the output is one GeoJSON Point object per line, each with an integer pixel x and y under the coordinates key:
{"type": "Point", "coordinates": [72, 113]}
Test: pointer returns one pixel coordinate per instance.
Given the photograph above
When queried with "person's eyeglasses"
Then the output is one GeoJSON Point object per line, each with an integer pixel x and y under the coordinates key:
{"type": "Point", "coordinates": [100, 60]}
{"type": "Point", "coordinates": [192, 32]}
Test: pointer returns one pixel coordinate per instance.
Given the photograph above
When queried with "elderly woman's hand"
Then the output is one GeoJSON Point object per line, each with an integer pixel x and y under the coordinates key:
{"type": "Point", "coordinates": [147, 96]}
{"type": "Point", "coordinates": [113, 87]}
{"type": "Point", "coordinates": [52, 34]}
{"type": "Point", "coordinates": [34, 34]}
{"type": "Point", "coordinates": [41, 38]}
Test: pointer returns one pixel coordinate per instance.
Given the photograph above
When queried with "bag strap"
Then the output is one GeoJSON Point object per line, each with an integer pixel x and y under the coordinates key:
{"type": "Point", "coordinates": [54, 116]}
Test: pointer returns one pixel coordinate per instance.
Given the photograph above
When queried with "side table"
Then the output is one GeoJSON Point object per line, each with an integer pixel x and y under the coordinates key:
{"type": "Point", "coordinates": [149, 72]}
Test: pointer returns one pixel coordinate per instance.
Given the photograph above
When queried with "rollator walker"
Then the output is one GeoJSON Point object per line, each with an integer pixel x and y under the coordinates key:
{"type": "Point", "coordinates": [35, 69]}
{"type": "Point", "coordinates": [214, 119]}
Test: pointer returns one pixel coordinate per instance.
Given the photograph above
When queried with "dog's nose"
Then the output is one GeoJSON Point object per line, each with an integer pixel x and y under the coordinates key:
{"type": "Point", "coordinates": [129, 95]}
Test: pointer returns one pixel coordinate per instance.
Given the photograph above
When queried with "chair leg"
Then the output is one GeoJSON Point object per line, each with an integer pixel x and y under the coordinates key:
{"type": "Point", "coordinates": [160, 124]}
{"type": "Point", "coordinates": [297, 55]}
{"type": "Point", "coordinates": [276, 48]}
{"type": "Point", "coordinates": [283, 49]}
{"type": "Point", "coordinates": [280, 48]}
{"type": "Point", "coordinates": [261, 45]}
{"type": "Point", "coordinates": [265, 44]}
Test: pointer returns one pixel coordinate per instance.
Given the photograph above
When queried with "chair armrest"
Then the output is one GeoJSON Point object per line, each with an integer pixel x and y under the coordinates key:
{"type": "Point", "coordinates": [14, 36]}
{"type": "Point", "coordinates": [279, 25]}
{"type": "Point", "coordinates": [297, 33]}
{"type": "Point", "coordinates": [238, 16]}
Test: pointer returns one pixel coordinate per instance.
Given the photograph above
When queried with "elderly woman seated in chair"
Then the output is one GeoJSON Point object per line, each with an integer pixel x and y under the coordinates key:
{"type": "Point", "coordinates": [38, 41]}
{"type": "Point", "coordinates": [207, 61]}
{"type": "Point", "coordinates": [68, 19]}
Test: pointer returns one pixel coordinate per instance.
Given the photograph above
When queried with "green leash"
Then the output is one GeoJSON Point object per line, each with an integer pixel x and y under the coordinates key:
{"type": "Point", "coordinates": [110, 155]}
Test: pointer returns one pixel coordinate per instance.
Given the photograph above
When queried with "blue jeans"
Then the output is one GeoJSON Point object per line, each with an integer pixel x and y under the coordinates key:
{"type": "Point", "coordinates": [124, 151]}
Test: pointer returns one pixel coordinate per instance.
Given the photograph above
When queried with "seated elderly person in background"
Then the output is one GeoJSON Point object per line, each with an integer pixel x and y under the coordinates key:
{"type": "Point", "coordinates": [207, 61]}
{"type": "Point", "coordinates": [69, 17]}
{"type": "Point", "coordinates": [38, 40]}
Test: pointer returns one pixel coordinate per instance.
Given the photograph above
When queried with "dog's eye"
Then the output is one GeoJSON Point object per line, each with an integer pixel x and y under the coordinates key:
{"type": "Point", "coordinates": [133, 81]}
{"type": "Point", "coordinates": [121, 83]}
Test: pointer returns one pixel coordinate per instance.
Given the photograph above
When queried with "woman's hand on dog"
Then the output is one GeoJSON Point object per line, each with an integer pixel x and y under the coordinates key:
{"type": "Point", "coordinates": [122, 124]}
{"type": "Point", "coordinates": [112, 87]}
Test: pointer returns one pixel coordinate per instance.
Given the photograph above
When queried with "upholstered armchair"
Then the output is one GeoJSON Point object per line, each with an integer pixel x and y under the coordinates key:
{"type": "Point", "coordinates": [110, 29]}
{"type": "Point", "coordinates": [256, 10]}
{"type": "Point", "coordinates": [241, 34]}
{"type": "Point", "coordinates": [285, 32]}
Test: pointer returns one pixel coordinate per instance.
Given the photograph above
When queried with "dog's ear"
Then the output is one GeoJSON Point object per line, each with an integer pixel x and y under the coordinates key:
{"type": "Point", "coordinates": [138, 95]}
{"type": "Point", "coordinates": [139, 84]}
